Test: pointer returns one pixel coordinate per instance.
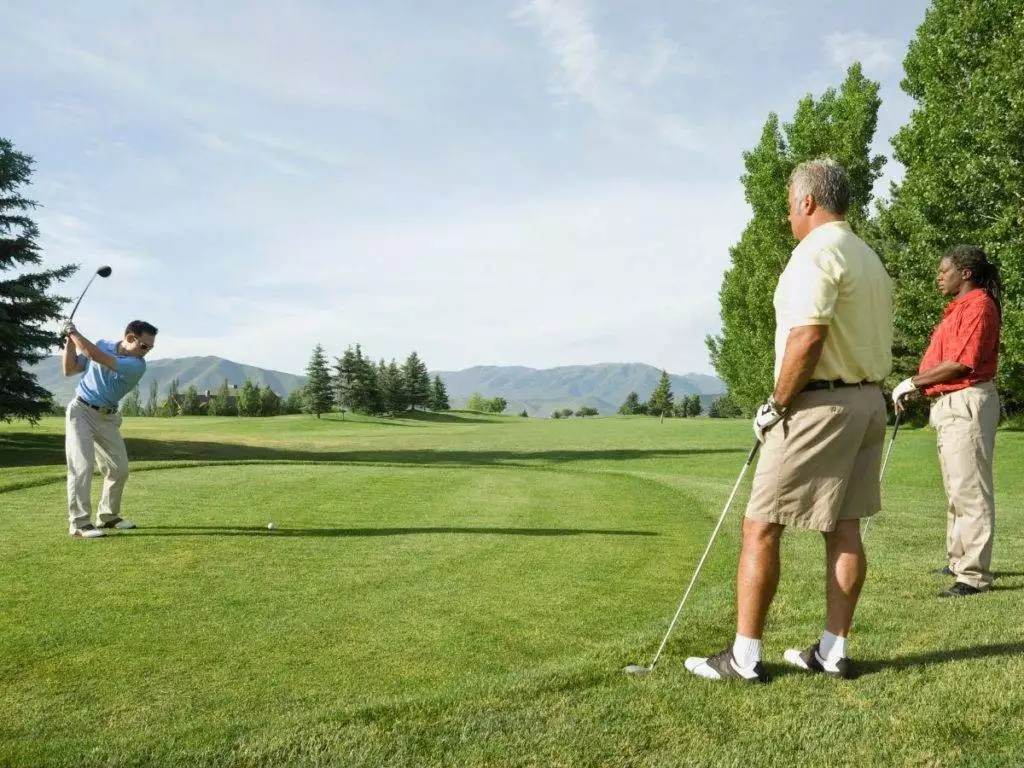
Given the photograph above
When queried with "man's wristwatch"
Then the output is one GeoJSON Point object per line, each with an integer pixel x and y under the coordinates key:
{"type": "Point", "coordinates": [782, 410]}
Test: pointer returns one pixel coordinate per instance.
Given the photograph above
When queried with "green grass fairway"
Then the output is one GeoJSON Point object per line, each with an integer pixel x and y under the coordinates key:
{"type": "Point", "coordinates": [464, 590]}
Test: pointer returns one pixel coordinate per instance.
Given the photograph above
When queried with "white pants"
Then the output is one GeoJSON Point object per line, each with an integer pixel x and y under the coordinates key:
{"type": "Point", "coordinates": [90, 434]}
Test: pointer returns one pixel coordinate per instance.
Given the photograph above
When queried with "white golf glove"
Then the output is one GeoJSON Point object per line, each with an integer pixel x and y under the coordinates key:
{"type": "Point", "coordinates": [903, 390]}
{"type": "Point", "coordinates": [766, 417]}
{"type": "Point", "coordinates": [66, 327]}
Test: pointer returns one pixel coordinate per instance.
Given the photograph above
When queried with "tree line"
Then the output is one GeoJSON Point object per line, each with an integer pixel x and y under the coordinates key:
{"type": "Point", "coordinates": [358, 385]}
{"type": "Point", "coordinates": [662, 402]}
{"type": "Point", "coordinates": [250, 399]}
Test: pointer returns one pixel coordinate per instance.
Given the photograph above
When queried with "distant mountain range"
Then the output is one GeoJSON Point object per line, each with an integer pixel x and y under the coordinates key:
{"type": "Point", "coordinates": [539, 392]}
{"type": "Point", "coordinates": [603, 386]}
{"type": "Point", "coordinates": [204, 372]}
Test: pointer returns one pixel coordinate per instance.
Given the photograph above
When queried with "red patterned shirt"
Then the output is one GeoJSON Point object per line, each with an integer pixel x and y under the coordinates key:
{"type": "Point", "coordinates": [967, 334]}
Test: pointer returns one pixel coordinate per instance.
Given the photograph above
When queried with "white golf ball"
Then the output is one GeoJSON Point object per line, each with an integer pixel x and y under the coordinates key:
{"type": "Point", "coordinates": [271, 526]}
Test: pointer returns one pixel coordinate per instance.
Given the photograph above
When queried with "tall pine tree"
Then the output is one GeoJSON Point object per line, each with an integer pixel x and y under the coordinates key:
{"type": "Point", "coordinates": [660, 403]}
{"type": "Point", "coordinates": [417, 382]}
{"type": "Point", "coordinates": [25, 304]}
{"type": "Point", "coordinates": [963, 149]}
{"type": "Point", "coordinates": [318, 394]}
{"type": "Point", "coordinates": [439, 396]}
{"type": "Point", "coordinates": [840, 124]}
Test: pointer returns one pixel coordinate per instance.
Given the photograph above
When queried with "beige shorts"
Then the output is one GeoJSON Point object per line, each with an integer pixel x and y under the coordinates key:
{"type": "Point", "coordinates": [821, 463]}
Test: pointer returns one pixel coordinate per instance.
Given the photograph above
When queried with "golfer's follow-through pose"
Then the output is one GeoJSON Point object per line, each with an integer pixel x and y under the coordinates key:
{"type": "Point", "coordinates": [93, 425]}
{"type": "Point", "coordinates": [957, 370]}
{"type": "Point", "coordinates": [822, 429]}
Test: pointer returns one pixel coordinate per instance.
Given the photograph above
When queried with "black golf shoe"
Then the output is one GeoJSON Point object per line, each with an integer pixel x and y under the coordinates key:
{"type": "Point", "coordinates": [722, 666]}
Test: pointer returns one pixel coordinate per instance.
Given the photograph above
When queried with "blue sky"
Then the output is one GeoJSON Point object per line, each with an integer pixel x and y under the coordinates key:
{"type": "Point", "coordinates": [531, 182]}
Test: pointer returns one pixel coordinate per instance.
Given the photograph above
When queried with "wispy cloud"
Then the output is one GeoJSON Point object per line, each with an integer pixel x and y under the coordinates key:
{"type": "Point", "coordinates": [619, 86]}
{"type": "Point", "coordinates": [877, 54]}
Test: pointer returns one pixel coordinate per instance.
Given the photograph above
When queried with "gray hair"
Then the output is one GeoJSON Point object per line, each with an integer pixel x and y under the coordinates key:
{"type": "Point", "coordinates": [826, 181]}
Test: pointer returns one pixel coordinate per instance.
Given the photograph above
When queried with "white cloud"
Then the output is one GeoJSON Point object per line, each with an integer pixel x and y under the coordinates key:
{"type": "Point", "coordinates": [619, 86]}
{"type": "Point", "coordinates": [877, 54]}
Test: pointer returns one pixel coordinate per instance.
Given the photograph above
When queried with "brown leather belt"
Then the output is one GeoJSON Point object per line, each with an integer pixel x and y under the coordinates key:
{"type": "Point", "coordinates": [816, 384]}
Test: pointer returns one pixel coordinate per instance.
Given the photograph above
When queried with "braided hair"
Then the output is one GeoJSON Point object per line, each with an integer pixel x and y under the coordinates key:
{"type": "Point", "coordinates": [984, 273]}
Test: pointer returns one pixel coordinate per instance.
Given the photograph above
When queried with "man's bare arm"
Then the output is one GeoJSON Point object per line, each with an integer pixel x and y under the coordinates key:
{"type": "Point", "coordinates": [69, 364]}
{"type": "Point", "coordinates": [93, 352]}
{"type": "Point", "coordinates": [947, 370]}
{"type": "Point", "coordinates": [803, 351]}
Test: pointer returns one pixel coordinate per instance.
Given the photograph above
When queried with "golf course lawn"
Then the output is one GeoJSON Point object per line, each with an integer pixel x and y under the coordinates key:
{"type": "Point", "coordinates": [464, 590]}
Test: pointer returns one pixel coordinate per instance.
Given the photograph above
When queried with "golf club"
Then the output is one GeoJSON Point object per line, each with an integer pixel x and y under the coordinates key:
{"type": "Point", "coordinates": [888, 453]}
{"type": "Point", "coordinates": [639, 669]}
{"type": "Point", "coordinates": [102, 272]}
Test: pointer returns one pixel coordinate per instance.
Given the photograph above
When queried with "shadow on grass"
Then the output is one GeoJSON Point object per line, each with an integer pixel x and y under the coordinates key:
{"type": "Point", "coordinates": [253, 530]}
{"type": "Point", "coordinates": [941, 657]}
{"type": "Point", "coordinates": [20, 449]}
{"type": "Point", "coordinates": [412, 418]}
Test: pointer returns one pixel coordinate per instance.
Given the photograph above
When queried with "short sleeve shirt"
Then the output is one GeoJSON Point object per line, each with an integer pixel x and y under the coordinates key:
{"type": "Point", "coordinates": [834, 278]}
{"type": "Point", "coordinates": [103, 387]}
{"type": "Point", "coordinates": [967, 334]}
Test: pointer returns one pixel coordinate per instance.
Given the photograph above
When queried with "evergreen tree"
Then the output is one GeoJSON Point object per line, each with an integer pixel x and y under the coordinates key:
{"type": "Point", "coordinates": [346, 371]}
{"type": "Point", "coordinates": [319, 397]}
{"type": "Point", "coordinates": [270, 402]}
{"type": "Point", "coordinates": [631, 405]}
{"type": "Point", "coordinates": [249, 401]}
{"type": "Point", "coordinates": [661, 400]}
{"type": "Point", "coordinates": [840, 125]}
{"type": "Point", "coordinates": [223, 403]}
{"type": "Point", "coordinates": [963, 150]}
{"type": "Point", "coordinates": [152, 401]}
{"type": "Point", "coordinates": [293, 403]}
{"type": "Point", "coordinates": [132, 404]}
{"type": "Point", "coordinates": [417, 382]}
{"type": "Point", "coordinates": [439, 396]}
{"type": "Point", "coordinates": [391, 382]}
{"type": "Point", "coordinates": [171, 407]}
{"type": "Point", "coordinates": [190, 402]}
{"type": "Point", "coordinates": [25, 304]}
{"type": "Point", "coordinates": [695, 407]}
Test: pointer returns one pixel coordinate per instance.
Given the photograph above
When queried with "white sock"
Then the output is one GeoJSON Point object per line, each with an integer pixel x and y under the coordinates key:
{"type": "Point", "coordinates": [746, 651]}
{"type": "Point", "coordinates": [832, 647]}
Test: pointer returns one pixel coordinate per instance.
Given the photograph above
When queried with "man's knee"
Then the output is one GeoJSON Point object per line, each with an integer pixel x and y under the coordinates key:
{"type": "Point", "coordinates": [757, 533]}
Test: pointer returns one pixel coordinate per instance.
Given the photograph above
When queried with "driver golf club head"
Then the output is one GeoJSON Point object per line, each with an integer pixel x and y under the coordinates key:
{"type": "Point", "coordinates": [104, 271]}
{"type": "Point", "coordinates": [637, 669]}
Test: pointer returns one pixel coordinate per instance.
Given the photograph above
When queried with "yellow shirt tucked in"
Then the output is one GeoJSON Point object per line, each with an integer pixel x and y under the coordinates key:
{"type": "Point", "coordinates": [833, 278]}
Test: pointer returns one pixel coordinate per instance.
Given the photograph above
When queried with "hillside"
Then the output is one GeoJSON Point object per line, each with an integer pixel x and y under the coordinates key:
{"type": "Point", "coordinates": [538, 391]}
{"type": "Point", "coordinates": [204, 372]}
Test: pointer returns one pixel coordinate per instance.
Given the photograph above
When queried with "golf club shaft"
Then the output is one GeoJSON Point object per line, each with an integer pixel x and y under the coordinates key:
{"type": "Point", "coordinates": [711, 541]}
{"type": "Point", "coordinates": [885, 461]}
{"type": "Point", "coordinates": [72, 315]}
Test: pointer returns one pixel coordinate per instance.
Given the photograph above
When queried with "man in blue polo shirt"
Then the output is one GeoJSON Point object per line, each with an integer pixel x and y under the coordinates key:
{"type": "Point", "coordinates": [93, 425]}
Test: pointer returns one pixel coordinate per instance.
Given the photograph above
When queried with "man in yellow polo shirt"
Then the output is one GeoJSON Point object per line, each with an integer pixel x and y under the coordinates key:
{"type": "Point", "coordinates": [823, 428]}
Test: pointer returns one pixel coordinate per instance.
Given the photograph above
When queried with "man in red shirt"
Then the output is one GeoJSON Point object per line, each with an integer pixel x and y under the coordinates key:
{"type": "Point", "coordinates": [957, 371]}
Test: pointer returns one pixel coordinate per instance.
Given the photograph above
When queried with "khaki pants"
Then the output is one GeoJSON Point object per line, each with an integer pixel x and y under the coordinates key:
{"type": "Point", "coordinates": [89, 435]}
{"type": "Point", "coordinates": [966, 422]}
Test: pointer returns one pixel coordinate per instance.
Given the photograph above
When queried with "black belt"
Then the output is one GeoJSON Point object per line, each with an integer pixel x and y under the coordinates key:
{"type": "Point", "coordinates": [99, 408]}
{"type": "Point", "coordinates": [816, 384]}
